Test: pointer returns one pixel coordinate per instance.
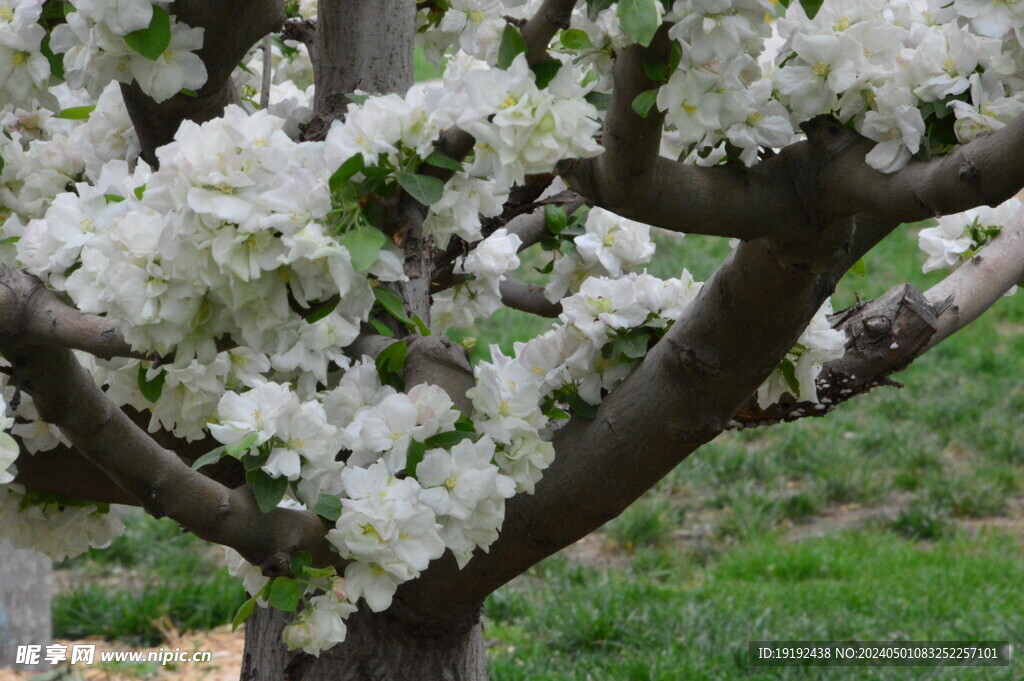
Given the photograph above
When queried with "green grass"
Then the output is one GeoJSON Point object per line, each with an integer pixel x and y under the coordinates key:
{"type": "Point", "coordinates": [153, 573]}
{"type": "Point", "coordinates": [670, 618]}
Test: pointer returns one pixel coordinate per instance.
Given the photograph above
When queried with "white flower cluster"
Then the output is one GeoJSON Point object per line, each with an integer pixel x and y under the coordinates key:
{"type": "Point", "coordinates": [609, 246]}
{"type": "Point", "coordinates": [487, 264]}
{"type": "Point", "coordinates": [95, 52]}
{"type": "Point", "coordinates": [40, 155]}
{"type": "Point", "coordinates": [958, 237]}
{"type": "Point", "coordinates": [58, 529]}
{"type": "Point", "coordinates": [227, 238]}
{"type": "Point", "coordinates": [8, 447]}
{"type": "Point", "coordinates": [397, 513]}
{"type": "Point", "coordinates": [891, 69]}
{"type": "Point", "coordinates": [519, 128]}
{"type": "Point", "coordinates": [24, 69]}
{"type": "Point", "coordinates": [913, 76]}
{"type": "Point", "coordinates": [473, 27]}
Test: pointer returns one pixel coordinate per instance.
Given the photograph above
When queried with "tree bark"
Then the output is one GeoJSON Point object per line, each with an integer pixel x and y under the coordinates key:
{"type": "Point", "coordinates": [379, 647]}
{"type": "Point", "coordinates": [359, 45]}
{"type": "Point", "coordinates": [25, 585]}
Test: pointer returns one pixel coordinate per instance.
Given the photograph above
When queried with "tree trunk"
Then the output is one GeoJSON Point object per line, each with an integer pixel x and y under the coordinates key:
{"type": "Point", "coordinates": [379, 647]}
{"type": "Point", "coordinates": [25, 585]}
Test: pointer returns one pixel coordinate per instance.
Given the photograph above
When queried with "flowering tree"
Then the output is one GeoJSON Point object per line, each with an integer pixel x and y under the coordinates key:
{"type": "Point", "coordinates": [228, 276]}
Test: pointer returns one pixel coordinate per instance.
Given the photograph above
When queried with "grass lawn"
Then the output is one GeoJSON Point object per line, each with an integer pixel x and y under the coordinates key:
{"type": "Point", "coordinates": [896, 517]}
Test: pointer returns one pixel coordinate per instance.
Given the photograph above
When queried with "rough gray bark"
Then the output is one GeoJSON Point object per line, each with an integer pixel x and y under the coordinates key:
{"type": "Point", "coordinates": [378, 646]}
{"type": "Point", "coordinates": [25, 586]}
{"type": "Point", "coordinates": [359, 45]}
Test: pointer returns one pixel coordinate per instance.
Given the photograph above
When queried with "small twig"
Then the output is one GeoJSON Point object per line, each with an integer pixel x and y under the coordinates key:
{"type": "Point", "coordinates": [300, 31]}
{"type": "Point", "coordinates": [267, 72]}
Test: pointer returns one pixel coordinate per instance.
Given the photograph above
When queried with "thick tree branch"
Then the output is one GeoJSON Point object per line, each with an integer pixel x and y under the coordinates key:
{"type": "Point", "coordinates": [527, 298]}
{"type": "Point", "coordinates": [987, 171]}
{"type": "Point", "coordinates": [359, 45]}
{"type": "Point", "coordinates": [551, 17]}
{"type": "Point", "coordinates": [231, 27]}
{"type": "Point", "coordinates": [886, 334]}
{"type": "Point", "coordinates": [44, 319]}
{"type": "Point", "coordinates": [813, 183]}
{"type": "Point", "coordinates": [701, 372]}
{"type": "Point", "coordinates": [65, 395]}
{"type": "Point", "coordinates": [631, 142]}
{"type": "Point", "coordinates": [67, 473]}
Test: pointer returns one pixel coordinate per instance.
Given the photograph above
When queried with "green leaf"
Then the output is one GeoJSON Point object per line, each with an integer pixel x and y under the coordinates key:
{"type": "Point", "coordinates": [545, 72]}
{"type": "Point", "coordinates": [152, 41]}
{"type": "Point", "coordinates": [251, 461]}
{"type": "Point", "coordinates": [321, 573]}
{"type": "Point", "coordinates": [241, 447]}
{"type": "Point", "coordinates": [391, 360]}
{"type": "Point", "coordinates": [139, 191]}
{"type": "Point", "coordinates": [860, 268]}
{"type": "Point", "coordinates": [299, 562]}
{"type": "Point", "coordinates": [439, 160]}
{"type": "Point", "coordinates": [656, 72]}
{"type": "Point", "coordinates": [675, 57]}
{"type": "Point", "coordinates": [447, 440]}
{"type": "Point", "coordinates": [426, 190]}
{"type": "Point", "coordinates": [512, 45]}
{"type": "Point", "coordinates": [465, 424]}
{"type": "Point", "coordinates": [420, 325]}
{"type": "Point", "coordinates": [56, 60]}
{"type": "Point", "coordinates": [414, 456]}
{"type": "Point", "coordinates": [788, 370]}
{"type": "Point", "coordinates": [382, 328]}
{"type": "Point", "coordinates": [357, 99]}
{"type": "Point", "coordinates": [581, 407]}
{"type": "Point", "coordinates": [633, 346]}
{"type": "Point", "coordinates": [644, 101]}
{"type": "Point", "coordinates": [268, 491]}
{"type": "Point", "coordinates": [76, 113]}
{"type": "Point", "coordinates": [639, 19]}
{"type": "Point", "coordinates": [321, 310]}
{"type": "Point", "coordinates": [328, 506]}
{"type": "Point", "coordinates": [811, 7]}
{"type": "Point", "coordinates": [575, 39]}
{"type": "Point", "coordinates": [599, 100]}
{"type": "Point", "coordinates": [363, 244]}
{"type": "Point", "coordinates": [113, 198]}
{"type": "Point", "coordinates": [556, 414]}
{"type": "Point", "coordinates": [212, 456]}
{"type": "Point", "coordinates": [244, 612]}
{"type": "Point", "coordinates": [285, 593]}
{"type": "Point", "coordinates": [151, 389]}
{"type": "Point", "coordinates": [390, 301]}
{"type": "Point", "coordinates": [555, 219]}
{"type": "Point", "coordinates": [345, 172]}
{"type": "Point", "coordinates": [189, 93]}
{"type": "Point", "coordinates": [547, 269]}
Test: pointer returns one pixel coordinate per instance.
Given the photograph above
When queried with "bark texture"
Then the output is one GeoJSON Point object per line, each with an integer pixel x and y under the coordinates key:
{"type": "Point", "coordinates": [378, 646]}
{"type": "Point", "coordinates": [25, 585]}
{"type": "Point", "coordinates": [359, 45]}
